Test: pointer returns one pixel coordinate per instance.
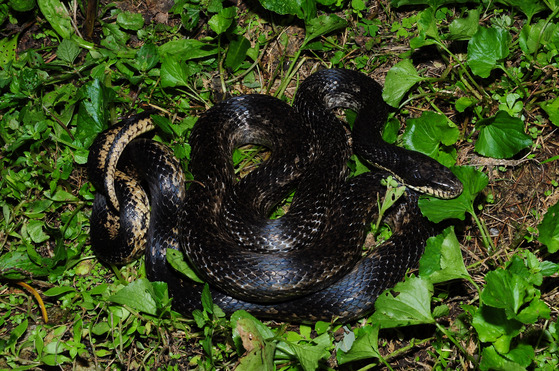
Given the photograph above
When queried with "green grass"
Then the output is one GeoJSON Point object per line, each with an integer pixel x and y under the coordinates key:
{"type": "Point", "coordinates": [473, 85]}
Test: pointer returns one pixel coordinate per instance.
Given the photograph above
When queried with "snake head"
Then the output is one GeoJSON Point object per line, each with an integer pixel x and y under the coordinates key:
{"type": "Point", "coordinates": [428, 176]}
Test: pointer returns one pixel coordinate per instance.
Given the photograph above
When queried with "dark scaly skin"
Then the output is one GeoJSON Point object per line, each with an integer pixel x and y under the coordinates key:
{"type": "Point", "coordinates": [305, 265]}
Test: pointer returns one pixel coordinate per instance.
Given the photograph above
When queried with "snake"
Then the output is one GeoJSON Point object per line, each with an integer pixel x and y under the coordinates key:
{"type": "Point", "coordinates": [307, 265]}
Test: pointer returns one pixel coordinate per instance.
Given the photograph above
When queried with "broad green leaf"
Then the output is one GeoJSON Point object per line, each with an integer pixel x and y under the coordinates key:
{"type": "Point", "coordinates": [501, 136]}
{"type": "Point", "coordinates": [60, 290]}
{"type": "Point", "coordinates": [365, 346]}
{"type": "Point", "coordinates": [442, 260]}
{"type": "Point", "coordinates": [464, 28]}
{"type": "Point", "coordinates": [551, 107]}
{"type": "Point", "coordinates": [492, 325]}
{"type": "Point", "coordinates": [237, 52]}
{"type": "Point", "coordinates": [401, 77]}
{"type": "Point", "coordinates": [435, 4]}
{"type": "Point", "coordinates": [528, 7]}
{"type": "Point", "coordinates": [36, 232]}
{"type": "Point", "coordinates": [426, 134]}
{"type": "Point", "coordinates": [68, 50]}
{"type": "Point", "coordinates": [427, 24]}
{"type": "Point", "coordinates": [254, 341]}
{"type": "Point", "coordinates": [491, 359]}
{"type": "Point", "coordinates": [487, 48]}
{"type": "Point", "coordinates": [549, 229]}
{"type": "Point", "coordinates": [140, 295]}
{"type": "Point", "coordinates": [177, 261]}
{"type": "Point", "coordinates": [207, 301]}
{"type": "Point", "coordinates": [22, 5]}
{"type": "Point", "coordinates": [437, 209]}
{"type": "Point", "coordinates": [59, 18]}
{"type": "Point", "coordinates": [186, 49]}
{"type": "Point", "coordinates": [534, 36]}
{"type": "Point", "coordinates": [8, 46]}
{"type": "Point", "coordinates": [147, 57]}
{"type": "Point", "coordinates": [130, 21]}
{"type": "Point", "coordinates": [506, 290]}
{"type": "Point", "coordinates": [93, 114]}
{"type": "Point", "coordinates": [17, 265]}
{"type": "Point", "coordinates": [323, 25]}
{"type": "Point", "coordinates": [221, 21]}
{"type": "Point", "coordinates": [304, 9]}
{"type": "Point", "coordinates": [411, 306]}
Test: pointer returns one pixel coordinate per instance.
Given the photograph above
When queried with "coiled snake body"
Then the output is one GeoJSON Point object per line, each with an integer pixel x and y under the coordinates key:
{"type": "Point", "coordinates": [303, 266]}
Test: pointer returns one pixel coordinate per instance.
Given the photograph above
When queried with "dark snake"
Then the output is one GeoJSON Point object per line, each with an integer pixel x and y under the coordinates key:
{"type": "Point", "coordinates": [306, 265]}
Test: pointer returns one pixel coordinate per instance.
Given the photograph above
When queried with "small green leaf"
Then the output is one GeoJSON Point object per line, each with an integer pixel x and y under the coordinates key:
{"type": "Point", "coordinates": [186, 49]}
{"type": "Point", "coordinates": [549, 229]}
{"type": "Point", "coordinates": [412, 305]}
{"type": "Point", "coordinates": [207, 302]}
{"type": "Point", "coordinates": [301, 8]}
{"type": "Point", "coordinates": [501, 136]}
{"type": "Point", "coordinates": [147, 57]}
{"type": "Point", "coordinates": [551, 107]}
{"type": "Point", "coordinates": [492, 325]}
{"type": "Point", "coordinates": [130, 21]}
{"type": "Point", "coordinates": [401, 77]}
{"type": "Point", "coordinates": [487, 48]}
{"type": "Point", "coordinates": [176, 259]}
{"type": "Point", "coordinates": [35, 230]}
{"type": "Point", "coordinates": [221, 21]}
{"type": "Point", "coordinates": [365, 346]}
{"type": "Point", "coordinates": [140, 295]}
{"type": "Point", "coordinates": [442, 260]}
{"type": "Point", "coordinates": [68, 50]}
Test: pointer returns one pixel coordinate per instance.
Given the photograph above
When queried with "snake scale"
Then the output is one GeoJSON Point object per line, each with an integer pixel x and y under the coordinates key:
{"type": "Point", "coordinates": [306, 265]}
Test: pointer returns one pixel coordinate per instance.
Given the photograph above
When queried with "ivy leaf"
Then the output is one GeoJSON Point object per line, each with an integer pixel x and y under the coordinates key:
{"type": "Point", "coordinates": [436, 209]}
{"type": "Point", "coordinates": [501, 136]}
{"type": "Point", "coordinates": [412, 305]}
{"type": "Point", "coordinates": [486, 48]}
{"type": "Point", "coordinates": [442, 260]}
{"type": "Point", "coordinates": [549, 229]}
{"type": "Point", "coordinates": [401, 77]}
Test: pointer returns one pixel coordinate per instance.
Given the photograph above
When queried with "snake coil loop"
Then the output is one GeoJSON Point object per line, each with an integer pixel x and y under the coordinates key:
{"type": "Point", "coordinates": [304, 266]}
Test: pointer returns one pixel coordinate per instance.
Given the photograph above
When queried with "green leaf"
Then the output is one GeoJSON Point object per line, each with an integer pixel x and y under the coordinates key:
{"type": "Point", "coordinates": [8, 46]}
{"type": "Point", "coordinates": [551, 107]}
{"type": "Point", "coordinates": [59, 18]}
{"type": "Point", "coordinates": [491, 359]}
{"type": "Point", "coordinates": [221, 21]}
{"type": "Point", "coordinates": [207, 302]}
{"type": "Point", "coordinates": [438, 210]}
{"type": "Point", "coordinates": [528, 7]}
{"type": "Point", "coordinates": [17, 265]}
{"type": "Point", "coordinates": [501, 136]}
{"type": "Point", "coordinates": [140, 295]}
{"type": "Point", "coordinates": [505, 290]}
{"type": "Point", "coordinates": [365, 346]}
{"type": "Point", "coordinates": [35, 230]}
{"type": "Point", "coordinates": [186, 49]}
{"type": "Point", "coordinates": [442, 260]}
{"type": "Point", "coordinates": [147, 57]}
{"type": "Point", "coordinates": [93, 114]}
{"type": "Point", "coordinates": [304, 9]}
{"type": "Point", "coordinates": [464, 28]}
{"type": "Point", "coordinates": [492, 325]}
{"type": "Point", "coordinates": [237, 52]}
{"type": "Point", "coordinates": [68, 50]}
{"type": "Point", "coordinates": [177, 261]}
{"type": "Point", "coordinates": [401, 77]}
{"type": "Point", "coordinates": [426, 134]}
{"type": "Point", "coordinates": [412, 305]}
{"type": "Point", "coordinates": [253, 341]}
{"type": "Point", "coordinates": [549, 229]}
{"type": "Point", "coordinates": [130, 21]}
{"type": "Point", "coordinates": [323, 25]}
{"type": "Point", "coordinates": [487, 48]}
{"type": "Point", "coordinates": [534, 36]}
